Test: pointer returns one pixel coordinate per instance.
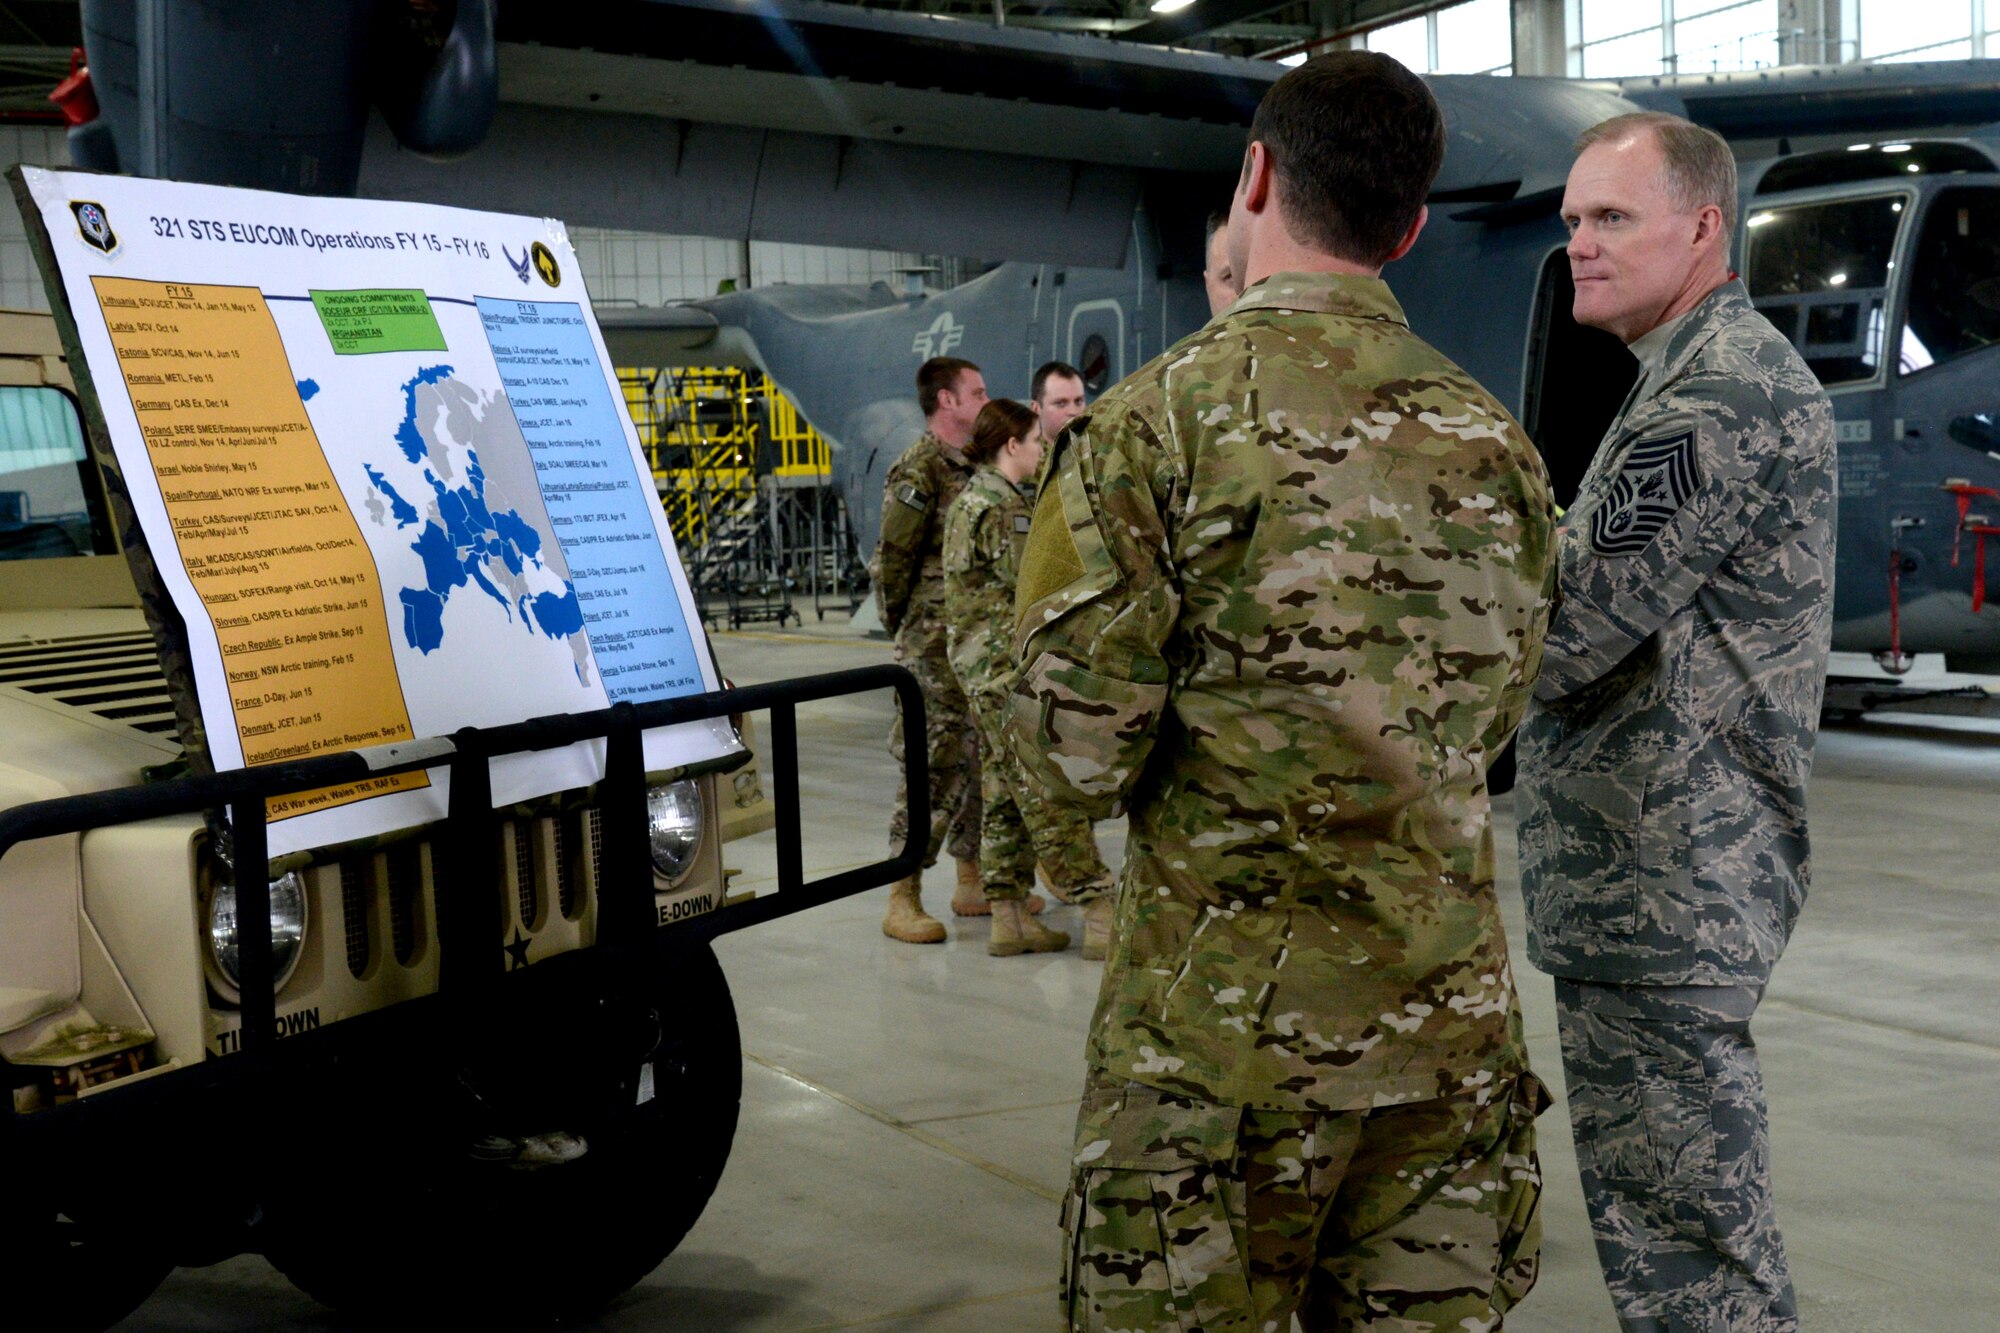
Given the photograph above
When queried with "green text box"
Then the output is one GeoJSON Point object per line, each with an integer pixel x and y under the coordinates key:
{"type": "Point", "coordinates": [379, 320]}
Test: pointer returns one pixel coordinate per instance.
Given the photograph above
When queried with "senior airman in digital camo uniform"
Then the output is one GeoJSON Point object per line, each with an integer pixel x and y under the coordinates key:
{"type": "Point", "coordinates": [1283, 597]}
{"type": "Point", "coordinates": [1662, 796]}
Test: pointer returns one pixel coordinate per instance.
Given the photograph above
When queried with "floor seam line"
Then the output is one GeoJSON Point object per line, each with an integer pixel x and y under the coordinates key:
{"type": "Point", "coordinates": [902, 1126]}
{"type": "Point", "coordinates": [998, 1110]}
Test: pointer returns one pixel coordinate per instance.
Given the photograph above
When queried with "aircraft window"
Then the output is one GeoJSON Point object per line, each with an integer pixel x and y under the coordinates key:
{"type": "Point", "coordinates": [1095, 363]}
{"type": "Point", "coordinates": [1820, 273]}
{"type": "Point", "coordinates": [43, 507]}
{"type": "Point", "coordinates": [1955, 285]}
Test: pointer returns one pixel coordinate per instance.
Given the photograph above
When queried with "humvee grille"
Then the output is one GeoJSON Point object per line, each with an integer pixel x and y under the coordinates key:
{"type": "Point", "coordinates": [566, 874]}
{"type": "Point", "coordinates": [354, 910]}
{"type": "Point", "coordinates": [406, 880]}
{"type": "Point", "coordinates": [115, 676]}
{"type": "Point", "coordinates": [396, 874]}
{"type": "Point", "coordinates": [523, 835]}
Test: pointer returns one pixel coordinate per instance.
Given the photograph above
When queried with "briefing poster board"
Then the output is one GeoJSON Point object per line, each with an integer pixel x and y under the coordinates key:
{"type": "Point", "coordinates": [382, 469]}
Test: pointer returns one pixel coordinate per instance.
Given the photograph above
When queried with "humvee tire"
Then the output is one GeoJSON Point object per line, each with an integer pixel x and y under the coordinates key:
{"type": "Point", "coordinates": [451, 1236]}
{"type": "Point", "coordinates": [63, 1276]}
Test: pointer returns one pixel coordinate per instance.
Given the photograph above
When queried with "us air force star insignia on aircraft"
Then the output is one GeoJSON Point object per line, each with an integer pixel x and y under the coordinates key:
{"type": "Point", "coordinates": [944, 334]}
{"type": "Point", "coordinates": [1656, 479]}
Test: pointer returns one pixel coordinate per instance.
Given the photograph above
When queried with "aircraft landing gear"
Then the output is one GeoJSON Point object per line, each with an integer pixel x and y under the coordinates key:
{"type": "Point", "coordinates": [1896, 664]}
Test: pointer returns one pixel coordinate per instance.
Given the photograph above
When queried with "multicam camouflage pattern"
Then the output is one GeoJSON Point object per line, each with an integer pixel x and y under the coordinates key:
{"type": "Point", "coordinates": [1283, 596]}
{"type": "Point", "coordinates": [1667, 1104]}
{"type": "Point", "coordinates": [953, 739]}
{"type": "Point", "coordinates": [983, 534]}
{"type": "Point", "coordinates": [1663, 763]}
{"type": "Point", "coordinates": [1186, 1214]}
{"type": "Point", "coordinates": [908, 571]}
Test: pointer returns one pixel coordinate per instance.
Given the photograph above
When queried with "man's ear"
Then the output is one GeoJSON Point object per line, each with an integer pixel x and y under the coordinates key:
{"type": "Point", "coordinates": [1410, 237]}
{"type": "Point", "coordinates": [1257, 174]}
{"type": "Point", "coordinates": [1707, 224]}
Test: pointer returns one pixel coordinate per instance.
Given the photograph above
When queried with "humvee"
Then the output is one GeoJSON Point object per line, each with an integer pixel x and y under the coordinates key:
{"type": "Point", "coordinates": [487, 1067]}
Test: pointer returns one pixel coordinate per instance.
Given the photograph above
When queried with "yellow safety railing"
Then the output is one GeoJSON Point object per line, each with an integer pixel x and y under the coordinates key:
{"type": "Point", "coordinates": [704, 428]}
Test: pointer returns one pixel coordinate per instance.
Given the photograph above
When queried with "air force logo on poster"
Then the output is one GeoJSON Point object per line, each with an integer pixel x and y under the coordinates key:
{"type": "Point", "coordinates": [94, 226]}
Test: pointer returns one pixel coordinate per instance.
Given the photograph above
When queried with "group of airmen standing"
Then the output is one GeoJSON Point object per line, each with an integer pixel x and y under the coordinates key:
{"type": "Point", "coordinates": [1280, 599]}
{"type": "Point", "coordinates": [954, 520]}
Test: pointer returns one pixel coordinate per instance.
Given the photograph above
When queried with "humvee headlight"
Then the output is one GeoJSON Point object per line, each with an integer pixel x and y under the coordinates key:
{"type": "Point", "coordinates": [288, 929]}
{"type": "Point", "coordinates": [673, 826]}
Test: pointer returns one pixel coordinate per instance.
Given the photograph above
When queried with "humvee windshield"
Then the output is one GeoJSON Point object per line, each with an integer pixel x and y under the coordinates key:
{"type": "Point", "coordinates": [44, 510]}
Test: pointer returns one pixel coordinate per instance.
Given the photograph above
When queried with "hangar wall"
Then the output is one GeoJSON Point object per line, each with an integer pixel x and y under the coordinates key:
{"type": "Point", "coordinates": [621, 266]}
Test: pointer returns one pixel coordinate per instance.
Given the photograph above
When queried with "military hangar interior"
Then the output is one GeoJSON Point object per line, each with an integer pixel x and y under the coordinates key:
{"type": "Point", "coordinates": [779, 208]}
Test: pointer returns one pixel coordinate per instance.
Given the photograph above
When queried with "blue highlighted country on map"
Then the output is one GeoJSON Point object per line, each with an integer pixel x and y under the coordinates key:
{"type": "Point", "coordinates": [490, 532]}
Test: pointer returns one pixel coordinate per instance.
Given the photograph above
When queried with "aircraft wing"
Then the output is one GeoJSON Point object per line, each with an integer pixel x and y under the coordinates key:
{"type": "Point", "coordinates": [829, 124]}
{"type": "Point", "coordinates": [1827, 99]}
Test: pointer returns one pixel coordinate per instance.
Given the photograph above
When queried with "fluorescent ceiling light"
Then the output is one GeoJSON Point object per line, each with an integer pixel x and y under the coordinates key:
{"type": "Point", "coordinates": [1170, 6]}
{"type": "Point", "coordinates": [1837, 280]}
{"type": "Point", "coordinates": [1895, 148]}
{"type": "Point", "coordinates": [1859, 147]}
{"type": "Point", "coordinates": [1295, 59]}
{"type": "Point", "coordinates": [1759, 219]}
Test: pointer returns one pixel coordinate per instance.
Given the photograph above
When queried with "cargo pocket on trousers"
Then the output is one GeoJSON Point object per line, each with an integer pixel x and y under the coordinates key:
{"type": "Point", "coordinates": [1148, 1237]}
{"type": "Point", "coordinates": [1520, 1256]}
{"type": "Point", "coordinates": [1581, 833]}
{"type": "Point", "coordinates": [1667, 1138]}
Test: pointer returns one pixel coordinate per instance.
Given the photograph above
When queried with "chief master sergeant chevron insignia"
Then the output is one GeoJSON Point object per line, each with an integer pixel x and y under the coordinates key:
{"type": "Point", "coordinates": [1655, 480]}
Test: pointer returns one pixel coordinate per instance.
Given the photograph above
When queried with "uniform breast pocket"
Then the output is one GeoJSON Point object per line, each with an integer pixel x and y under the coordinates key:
{"type": "Point", "coordinates": [1580, 851]}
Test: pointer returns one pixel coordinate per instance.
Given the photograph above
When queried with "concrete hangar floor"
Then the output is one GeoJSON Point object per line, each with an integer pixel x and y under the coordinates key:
{"type": "Point", "coordinates": [907, 1110]}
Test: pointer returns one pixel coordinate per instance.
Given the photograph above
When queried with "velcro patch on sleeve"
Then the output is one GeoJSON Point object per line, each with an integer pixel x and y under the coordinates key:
{"type": "Point", "coordinates": [1656, 479]}
{"type": "Point", "coordinates": [914, 498]}
{"type": "Point", "coordinates": [1022, 523]}
{"type": "Point", "coordinates": [1051, 562]}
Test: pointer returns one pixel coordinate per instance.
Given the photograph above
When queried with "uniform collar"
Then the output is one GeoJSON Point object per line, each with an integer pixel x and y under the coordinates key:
{"type": "Point", "coordinates": [951, 455]}
{"type": "Point", "coordinates": [1322, 294]}
{"type": "Point", "coordinates": [1720, 308]}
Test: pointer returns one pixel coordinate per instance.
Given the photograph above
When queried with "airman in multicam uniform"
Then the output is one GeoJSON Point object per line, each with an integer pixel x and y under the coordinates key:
{"type": "Point", "coordinates": [983, 534]}
{"type": "Point", "coordinates": [1663, 763]}
{"type": "Point", "coordinates": [908, 573]}
{"type": "Point", "coordinates": [1282, 599]}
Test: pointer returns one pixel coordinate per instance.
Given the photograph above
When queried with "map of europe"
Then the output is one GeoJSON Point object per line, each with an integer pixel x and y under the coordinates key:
{"type": "Point", "coordinates": [483, 525]}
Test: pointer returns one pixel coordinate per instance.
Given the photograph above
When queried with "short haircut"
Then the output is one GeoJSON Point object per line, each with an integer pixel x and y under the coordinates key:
{"type": "Point", "coordinates": [1355, 141]}
{"type": "Point", "coordinates": [1052, 370]}
{"type": "Point", "coordinates": [936, 376]}
{"type": "Point", "coordinates": [1216, 222]}
{"type": "Point", "coordinates": [1001, 420]}
{"type": "Point", "coordinates": [1697, 165]}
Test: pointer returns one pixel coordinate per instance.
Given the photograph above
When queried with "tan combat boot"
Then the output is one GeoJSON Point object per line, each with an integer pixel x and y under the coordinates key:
{"type": "Point", "coordinates": [969, 898]}
{"type": "Point", "coordinates": [1015, 931]}
{"type": "Point", "coordinates": [1097, 928]}
{"type": "Point", "coordinates": [907, 921]}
